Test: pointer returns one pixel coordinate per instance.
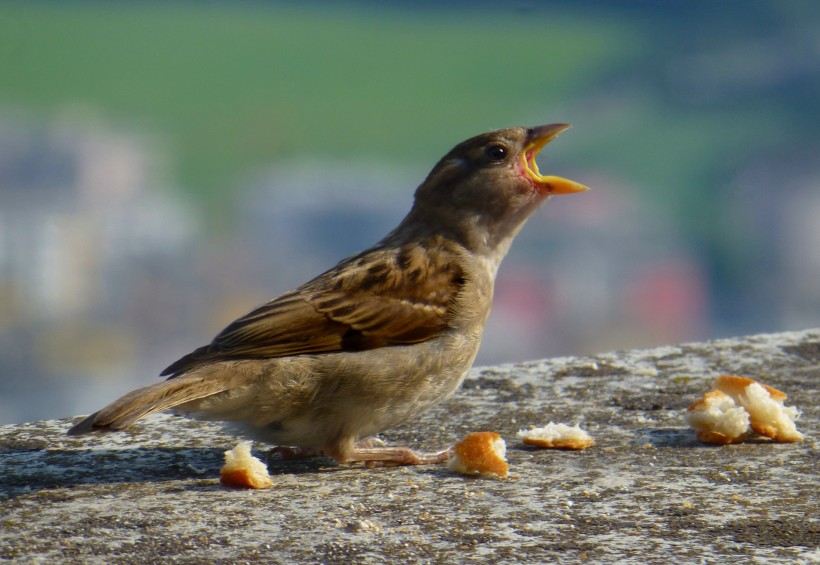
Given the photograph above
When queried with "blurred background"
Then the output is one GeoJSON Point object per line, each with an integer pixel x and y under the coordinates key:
{"type": "Point", "coordinates": [164, 167]}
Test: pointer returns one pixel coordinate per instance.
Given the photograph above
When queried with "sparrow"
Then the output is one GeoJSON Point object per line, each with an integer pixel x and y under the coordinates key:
{"type": "Point", "coordinates": [380, 337]}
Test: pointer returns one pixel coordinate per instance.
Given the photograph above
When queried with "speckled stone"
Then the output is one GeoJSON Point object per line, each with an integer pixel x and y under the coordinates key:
{"type": "Point", "coordinates": [648, 492]}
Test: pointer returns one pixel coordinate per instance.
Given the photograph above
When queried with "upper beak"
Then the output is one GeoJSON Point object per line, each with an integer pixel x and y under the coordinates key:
{"type": "Point", "coordinates": [537, 138]}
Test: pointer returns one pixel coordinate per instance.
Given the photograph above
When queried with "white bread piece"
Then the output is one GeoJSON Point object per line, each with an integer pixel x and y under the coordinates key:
{"type": "Point", "coordinates": [716, 418]}
{"type": "Point", "coordinates": [243, 470]}
{"type": "Point", "coordinates": [480, 453]}
{"type": "Point", "coordinates": [557, 436]}
{"type": "Point", "coordinates": [768, 416]}
{"type": "Point", "coordinates": [723, 415]}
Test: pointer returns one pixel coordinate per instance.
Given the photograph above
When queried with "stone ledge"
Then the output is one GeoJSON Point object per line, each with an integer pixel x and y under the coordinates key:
{"type": "Point", "coordinates": [648, 492]}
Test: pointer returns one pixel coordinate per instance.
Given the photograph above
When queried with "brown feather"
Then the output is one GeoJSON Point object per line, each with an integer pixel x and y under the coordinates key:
{"type": "Point", "coordinates": [384, 296]}
{"type": "Point", "coordinates": [148, 400]}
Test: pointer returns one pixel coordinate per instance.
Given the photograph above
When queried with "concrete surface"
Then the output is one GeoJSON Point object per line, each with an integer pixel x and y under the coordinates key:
{"type": "Point", "coordinates": [649, 492]}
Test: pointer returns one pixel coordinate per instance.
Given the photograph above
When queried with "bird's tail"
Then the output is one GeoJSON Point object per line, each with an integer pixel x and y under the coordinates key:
{"type": "Point", "coordinates": [153, 398]}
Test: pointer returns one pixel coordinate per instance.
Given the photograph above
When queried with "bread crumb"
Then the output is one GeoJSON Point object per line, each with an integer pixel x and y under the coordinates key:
{"type": "Point", "coordinates": [717, 419]}
{"type": "Point", "coordinates": [725, 414]}
{"type": "Point", "coordinates": [243, 470]}
{"type": "Point", "coordinates": [557, 436]}
{"type": "Point", "coordinates": [767, 414]}
{"type": "Point", "coordinates": [480, 453]}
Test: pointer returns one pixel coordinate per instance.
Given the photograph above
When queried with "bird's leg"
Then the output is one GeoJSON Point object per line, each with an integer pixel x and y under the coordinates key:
{"type": "Point", "coordinates": [395, 456]}
{"type": "Point", "coordinates": [374, 453]}
{"type": "Point", "coordinates": [286, 453]}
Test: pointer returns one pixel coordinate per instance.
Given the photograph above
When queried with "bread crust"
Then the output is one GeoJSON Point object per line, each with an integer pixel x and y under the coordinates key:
{"type": "Point", "coordinates": [736, 405]}
{"type": "Point", "coordinates": [480, 453]}
{"type": "Point", "coordinates": [243, 470]}
{"type": "Point", "coordinates": [557, 436]}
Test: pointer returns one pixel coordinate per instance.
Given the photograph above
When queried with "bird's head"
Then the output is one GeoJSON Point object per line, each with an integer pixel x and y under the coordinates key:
{"type": "Point", "coordinates": [485, 188]}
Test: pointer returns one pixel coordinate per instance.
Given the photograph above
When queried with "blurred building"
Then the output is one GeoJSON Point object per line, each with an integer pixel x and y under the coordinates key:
{"type": "Point", "coordinates": [88, 245]}
{"type": "Point", "coordinates": [771, 244]}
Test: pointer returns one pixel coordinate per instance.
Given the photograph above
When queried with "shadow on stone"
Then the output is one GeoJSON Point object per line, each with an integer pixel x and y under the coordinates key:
{"type": "Point", "coordinates": [51, 468]}
{"type": "Point", "coordinates": [670, 437]}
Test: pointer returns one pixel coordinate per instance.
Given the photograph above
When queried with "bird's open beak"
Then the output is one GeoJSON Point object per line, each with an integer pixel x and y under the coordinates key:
{"type": "Point", "coordinates": [538, 138]}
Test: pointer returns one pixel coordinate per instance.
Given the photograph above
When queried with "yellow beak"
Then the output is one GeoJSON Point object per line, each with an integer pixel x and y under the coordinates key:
{"type": "Point", "coordinates": [538, 138]}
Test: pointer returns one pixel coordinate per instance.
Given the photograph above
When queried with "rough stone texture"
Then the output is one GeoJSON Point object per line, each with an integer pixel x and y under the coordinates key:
{"type": "Point", "coordinates": [649, 492]}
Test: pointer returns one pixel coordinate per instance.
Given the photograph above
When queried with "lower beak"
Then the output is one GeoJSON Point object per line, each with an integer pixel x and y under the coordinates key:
{"type": "Point", "coordinates": [537, 138]}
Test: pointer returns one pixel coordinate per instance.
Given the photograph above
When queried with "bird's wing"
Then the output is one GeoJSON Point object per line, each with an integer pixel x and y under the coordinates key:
{"type": "Point", "coordinates": [376, 299]}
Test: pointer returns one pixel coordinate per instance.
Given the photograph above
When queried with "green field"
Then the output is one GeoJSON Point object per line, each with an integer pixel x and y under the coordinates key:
{"type": "Point", "coordinates": [671, 101]}
{"type": "Point", "coordinates": [232, 88]}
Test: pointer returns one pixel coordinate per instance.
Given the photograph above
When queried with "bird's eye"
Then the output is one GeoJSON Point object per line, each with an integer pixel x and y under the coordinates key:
{"type": "Point", "coordinates": [496, 152]}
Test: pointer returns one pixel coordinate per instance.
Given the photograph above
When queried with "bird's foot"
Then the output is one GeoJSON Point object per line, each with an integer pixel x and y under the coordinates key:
{"type": "Point", "coordinates": [379, 456]}
{"type": "Point", "coordinates": [286, 453]}
{"type": "Point", "coordinates": [371, 451]}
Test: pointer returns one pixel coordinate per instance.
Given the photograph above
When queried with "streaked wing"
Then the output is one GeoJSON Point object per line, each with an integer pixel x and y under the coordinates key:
{"type": "Point", "coordinates": [376, 299]}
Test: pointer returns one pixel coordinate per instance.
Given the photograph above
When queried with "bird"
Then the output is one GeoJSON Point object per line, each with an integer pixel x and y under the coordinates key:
{"type": "Point", "coordinates": [379, 338]}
